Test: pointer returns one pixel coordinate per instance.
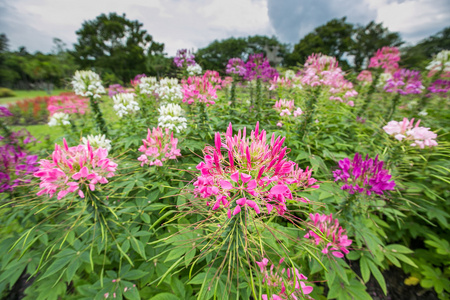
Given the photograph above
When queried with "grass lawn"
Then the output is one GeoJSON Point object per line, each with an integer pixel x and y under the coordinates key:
{"type": "Point", "coordinates": [28, 94]}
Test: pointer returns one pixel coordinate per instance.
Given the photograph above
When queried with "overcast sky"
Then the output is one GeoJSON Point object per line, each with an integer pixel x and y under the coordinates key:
{"type": "Point", "coordinates": [194, 24]}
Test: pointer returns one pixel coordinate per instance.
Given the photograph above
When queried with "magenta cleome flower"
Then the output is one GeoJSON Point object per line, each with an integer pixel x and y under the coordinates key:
{"type": "Point", "coordinates": [332, 236]}
{"type": "Point", "coordinates": [15, 167]}
{"type": "Point", "coordinates": [247, 173]}
{"type": "Point", "coordinates": [4, 112]}
{"type": "Point", "coordinates": [288, 276]}
{"type": "Point", "coordinates": [198, 90]}
{"type": "Point", "coordinates": [184, 58]}
{"type": "Point", "coordinates": [68, 104]}
{"type": "Point", "coordinates": [159, 146]}
{"type": "Point", "coordinates": [405, 130]}
{"type": "Point", "coordinates": [236, 66]}
{"type": "Point", "coordinates": [440, 86]}
{"type": "Point", "coordinates": [387, 58]}
{"type": "Point", "coordinates": [404, 82]}
{"type": "Point", "coordinates": [74, 168]}
{"type": "Point", "coordinates": [363, 175]}
{"type": "Point", "coordinates": [258, 67]}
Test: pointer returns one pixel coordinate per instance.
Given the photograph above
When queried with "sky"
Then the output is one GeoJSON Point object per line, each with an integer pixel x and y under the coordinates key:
{"type": "Point", "coordinates": [193, 24]}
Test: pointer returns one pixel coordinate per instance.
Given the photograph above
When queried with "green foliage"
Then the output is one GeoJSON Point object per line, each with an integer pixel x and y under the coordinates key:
{"type": "Point", "coordinates": [5, 92]}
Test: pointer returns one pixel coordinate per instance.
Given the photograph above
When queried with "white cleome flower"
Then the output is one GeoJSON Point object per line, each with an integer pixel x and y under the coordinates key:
{"type": "Point", "coordinates": [441, 62]}
{"type": "Point", "coordinates": [58, 119]}
{"type": "Point", "coordinates": [125, 104]}
{"type": "Point", "coordinates": [194, 70]}
{"type": "Point", "coordinates": [97, 141]}
{"type": "Point", "coordinates": [171, 116]}
{"type": "Point", "coordinates": [289, 74]}
{"type": "Point", "coordinates": [168, 90]}
{"type": "Point", "coordinates": [148, 85]}
{"type": "Point", "coordinates": [87, 84]}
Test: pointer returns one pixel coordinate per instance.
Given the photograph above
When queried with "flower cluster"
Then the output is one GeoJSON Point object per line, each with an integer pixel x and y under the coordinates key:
{"type": "Point", "coordinates": [440, 86]}
{"type": "Point", "coordinates": [159, 146]}
{"type": "Point", "coordinates": [97, 141]}
{"type": "Point", "coordinates": [363, 175]}
{"type": "Point", "coordinates": [137, 79]}
{"type": "Point", "coordinates": [387, 58]}
{"type": "Point", "coordinates": [184, 58]}
{"type": "Point", "coordinates": [405, 130]}
{"type": "Point", "coordinates": [323, 70]}
{"type": "Point", "coordinates": [115, 89]}
{"type": "Point", "coordinates": [59, 119]}
{"type": "Point", "coordinates": [67, 103]}
{"type": "Point", "coordinates": [236, 66]}
{"type": "Point", "coordinates": [147, 85]}
{"type": "Point", "coordinates": [168, 90]}
{"type": "Point", "coordinates": [275, 278]}
{"type": "Point", "coordinates": [4, 112]}
{"type": "Point", "coordinates": [250, 175]}
{"type": "Point", "coordinates": [193, 70]}
{"type": "Point", "coordinates": [73, 169]}
{"type": "Point", "coordinates": [404, 82]}
{"type": "Point", "coordinates": [280, 82]}
{"type": "Point", "coordinates": [258, 67]}
{"type": "Point", "coordinates": [286, 109]}
{"type": "Point", "coordinates": [440, 64]}
{"type": "Point", "coordinates": [198, 89]}
{"type": "Point", "coordinates": [171, 117]}
{"type": "Point", "coordinates": [15, 166]}
{"type": "Point", "coordinates": [326, 231]}
{"type": "Point", "coordinates": [214, 78]}
{"type": "Point", "coordinates": [365, 77]}
{"type": "Point", "coordinates": [125, 104]}
{"type": "Point", "coordinates": [87, 84]}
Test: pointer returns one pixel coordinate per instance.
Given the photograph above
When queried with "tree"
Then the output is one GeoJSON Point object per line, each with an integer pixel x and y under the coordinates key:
{"type": "Point", "coordinates": [368, 39]}
{"type": "Point", "coordinates": [417, 57]}
{"type": "Point", "coordinates": [115, 44]}
{"type": "Point", "coordinates": [215, 56]}
{"type": "Point", "coordinates": [4, 43]}
{"type": "Point", "coordinates": [333, 39]}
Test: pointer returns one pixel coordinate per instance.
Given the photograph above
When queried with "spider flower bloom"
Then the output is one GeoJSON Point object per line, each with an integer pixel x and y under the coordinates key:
{"type": "Point", "coordinates": [406, 130]}
{"type": "Point", "coordinates": [387, 58]}
{"type": "Point", "coordinates": [59, 119]}
{"type": "Point", "coordinates": [68, 103]}
{"type": "Point", "coordinates": [194, 70]}
{"type": "Point", "coordinates": [198, 89]}
{"type": "Point", "coordinates": [158, 147]}
{"type": "Point", "coordinates": [286, 108]}
{"type": "Point", "coordinates": [184, 58]}
{"type": "Point", "coordinates": [258, 67]}
{"type": "Point", "coordinates": [333, 237]}
{"type": "Point", "coordinates": [363, 175]}
{"type": "Point", "coordinates": [137, 79]}
{"type": "Point", "coordinates": [148, 85]}
{"type": "Point", "coordinates": [280, 82]}
{"type": "Point", "coordinates": [440, 87]}
{"type": "Point", "coordinates": [115, 89]}
{"type": "Point", "coordinates": [236, 66]}
{"type": "Point", "coordinates": [87, 84]}
{"type": "Point", "coordinates": [214, 78]}
{"type": "Point", "coordinates": [73, 168]}
{"type": "Point", "coordinates": [277, 279]}
{"type": "Point", "coordinates": [246, 172]}
{"type": "Point", "coordinates": [404, 82]}
{"type": "Point", "coordinates": [15, 166]}
{"type": "Point", "coordinates": [365, 77]}
{"type": "Point", "coordinates": [125, 104]}
{"type": "Point", "coordinates": [168, 90]}
{"type": "Point", "coordinates": [4, 112]}
{"type": "Point", "coordinates": [440, 63]}
{"type": "Point", "coordinates": [171, 117]}
{"type": "Point", "coordinates": [97, 141]}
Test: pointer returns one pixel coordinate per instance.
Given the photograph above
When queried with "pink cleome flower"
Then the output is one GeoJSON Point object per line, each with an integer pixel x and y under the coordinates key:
{"type": "Point", "coordinates": [405, 130]}
{"type": "Point", "coordinates": [275, 278]}
{"type": "Point", "coordinates": [249, 174]}
{"type": "Point", "coordinates": [198, 89]}
{"type": "Point", "coordinates": [159, 146]}
{"type": "Point", "coordinates": [387, 58]}
{"type": "Point", "coordinates": [332, 236]}
{"type": "Point", "coordinates": [74, 168]}
{"type": "Point", "coordinates": [67, 103]}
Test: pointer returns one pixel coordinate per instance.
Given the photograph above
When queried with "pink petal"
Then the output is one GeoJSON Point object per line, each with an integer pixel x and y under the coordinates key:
{"type": "Point", "coordinates": [241, 201]}
{"type": "Point", "coordinates": [226, 185]}
{"type": "Point", "coordinates": [237, 210]}
{"type": "Point", "coordinates": [235, 176]}
{"type": "Point", "coordinates": [245, 177]}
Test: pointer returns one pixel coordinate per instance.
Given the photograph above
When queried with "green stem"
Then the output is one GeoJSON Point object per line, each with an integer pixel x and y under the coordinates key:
{"type": "Point", "coordinates": [311, 106]}
{"type": "Point", "coordinates": [369, 94]}
{"type": "Point", "coordinates": [98, 116]}
{"type": "Point", "coordinates": [391, 111]}
{"type": "Point", "coordinates": [233, 94]}
{"type": "Point", "coordinates": [258, 95]}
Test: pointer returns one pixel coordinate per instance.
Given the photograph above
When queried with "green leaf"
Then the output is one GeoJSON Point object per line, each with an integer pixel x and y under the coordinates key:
{"type": "Point", "coordinates": [145, 217]}
{"type": "Point", "coordinates": [134, 274]}
{"type": "Point", "coordinates": [378, 276]}
{"type": "Point", "coordinates": [55, 267]}
{"type": "Point", "coordinates": [178, 287]}
{"type": "Point", "coordinates": [72, 268]}
{"type": "Point", "coordinates": [406, 260]}
{"type": "Point", "coordinates": [177, 253]}
{"type": "Point", "coordinates": [365, 272]}
{"type": "Point", "coordinates": [189, 256]}
{"type": "Point", "coordinates": [138, 246]}
{"type": "Point", "coordinates": [399, 248]}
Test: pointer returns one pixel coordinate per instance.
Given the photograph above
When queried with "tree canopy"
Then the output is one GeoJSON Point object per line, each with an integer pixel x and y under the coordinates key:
{"type": "Point", "coordinates": [113, 44]}
{"type": "Point", "coordinates": [215, 56]}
